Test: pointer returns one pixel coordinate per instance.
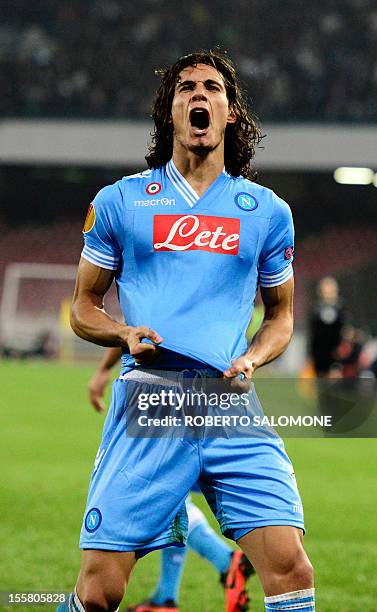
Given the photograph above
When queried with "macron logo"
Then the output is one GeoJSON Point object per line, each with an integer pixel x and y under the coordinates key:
{"type": "Point", "coordinates": [196, 233]}
{"type": "Point", "coordinates": [160, 201]}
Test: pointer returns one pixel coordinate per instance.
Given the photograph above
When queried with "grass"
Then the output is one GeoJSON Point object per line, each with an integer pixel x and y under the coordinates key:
{"type": "Point", "coordinates": [49, 437]}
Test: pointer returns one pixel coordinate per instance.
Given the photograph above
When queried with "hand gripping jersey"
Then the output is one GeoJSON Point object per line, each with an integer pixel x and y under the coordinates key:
{"type": "Point", "coordinates": [189, 266]}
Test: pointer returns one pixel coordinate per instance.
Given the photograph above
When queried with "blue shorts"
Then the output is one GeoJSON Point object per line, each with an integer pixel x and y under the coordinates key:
{"type": "Point", "coordinates": [138, 488]}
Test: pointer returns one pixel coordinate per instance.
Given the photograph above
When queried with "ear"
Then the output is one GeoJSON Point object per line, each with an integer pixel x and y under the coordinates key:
{"type": "Point", "coordinates": [232, 117]}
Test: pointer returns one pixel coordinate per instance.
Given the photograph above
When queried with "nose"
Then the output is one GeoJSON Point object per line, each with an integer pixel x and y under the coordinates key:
{"type": "Point", "coordinates": [199, 94]}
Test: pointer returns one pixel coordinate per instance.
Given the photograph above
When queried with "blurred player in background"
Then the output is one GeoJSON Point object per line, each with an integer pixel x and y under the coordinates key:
{"type": "Point", "coordinates": [188, 241]}
{"type": "Point", "coordinates": [325, 335]}
{"type": "Point", "coordinates": [325, 327]}
{"type": "Point", "coordinates": [349, 350]}
{"type": "Point", "coordinates": [233, 567]}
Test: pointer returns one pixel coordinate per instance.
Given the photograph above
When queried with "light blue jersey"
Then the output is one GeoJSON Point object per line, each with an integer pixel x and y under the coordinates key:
{"type": "Point", "coordinates": [189, 266]}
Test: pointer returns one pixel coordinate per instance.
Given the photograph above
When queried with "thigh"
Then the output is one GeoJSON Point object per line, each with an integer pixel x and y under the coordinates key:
{"type": "Point", "coordinates": [277, 553]}
{"type": "Point", "coordinates": [271, 547]}
{"type": "Point", "coordinates": [104, 574]}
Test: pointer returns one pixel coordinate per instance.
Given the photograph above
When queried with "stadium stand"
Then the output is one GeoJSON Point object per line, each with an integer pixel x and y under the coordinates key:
{"type": "Point", "coordinates": [96, 58]}
{"type": "Point", "coordinates": [335, 251]}
{"type": "Point", "coordinates": [39, 245]}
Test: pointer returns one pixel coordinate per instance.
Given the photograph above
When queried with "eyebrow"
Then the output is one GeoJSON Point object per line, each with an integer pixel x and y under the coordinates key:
{"type": "Point", "coordinates": [206, 82]}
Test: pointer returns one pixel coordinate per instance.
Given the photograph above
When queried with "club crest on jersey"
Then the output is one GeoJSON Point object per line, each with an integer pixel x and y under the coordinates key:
{"type": "Point", "coordinates": [196, 233]}
{"type": "Point", "coordinates": [93, 520]}
{"type": "Point", "coordinates": [90, 219]}
{"type": "Point", "coordinates": [246, 201]}
{"type": "Point", "coordinates": [153, 188]}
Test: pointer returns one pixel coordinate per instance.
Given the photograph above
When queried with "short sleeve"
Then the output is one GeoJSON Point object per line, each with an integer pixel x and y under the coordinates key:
{"type": "Point", "coordinates": [275, 261]}
{"type": "Point", "coordinates": [102, 229]}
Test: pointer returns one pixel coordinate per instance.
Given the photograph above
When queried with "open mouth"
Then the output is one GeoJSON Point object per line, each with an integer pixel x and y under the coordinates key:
{"type": "Point", "coordinates": [199, 119]}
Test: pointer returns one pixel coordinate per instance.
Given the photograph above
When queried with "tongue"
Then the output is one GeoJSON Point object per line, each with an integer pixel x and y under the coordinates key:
{"type": "Point", "coordinates": [199, 119]}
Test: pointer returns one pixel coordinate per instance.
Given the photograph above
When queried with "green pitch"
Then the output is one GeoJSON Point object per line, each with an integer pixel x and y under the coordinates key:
{"type": "Point", "coordinates": [49, 437]}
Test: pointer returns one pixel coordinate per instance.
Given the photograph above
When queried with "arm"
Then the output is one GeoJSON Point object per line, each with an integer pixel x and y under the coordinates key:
{"type": "Point", "coordinates": [101, 377]}
{"type": "Point", "coordinates": [90, 321]}
{"type": "Point", "coordinates": [274, 335]}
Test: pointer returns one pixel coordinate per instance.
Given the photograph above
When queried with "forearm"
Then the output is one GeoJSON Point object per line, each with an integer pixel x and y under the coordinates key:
{"type": "Point", "coordinates": [109, 359]}
{"type": "Point", "coordinates": [271, 340]}
{"type": "Point", "coordinates": [88, 317]}
{"type": "Point", "coordinates": [90, 322]}
{"type": "Point", "coordinates": [101, 377]}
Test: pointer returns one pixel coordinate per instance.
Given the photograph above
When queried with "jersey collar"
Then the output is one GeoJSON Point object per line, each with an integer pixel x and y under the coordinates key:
{"type": "Point", "coordinates": [182, 185]}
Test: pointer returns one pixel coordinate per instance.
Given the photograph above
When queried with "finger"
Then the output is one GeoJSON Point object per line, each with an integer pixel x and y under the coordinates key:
{"type": "Point", "coordinates": [233, 371]}
{"type": "Point", "coordinates": [96, 402]}
{"type": "Point", "coordinates": [142, 348]}
{"type": "Point", "coordinates": [148, 357]}
{"type": "Point", "coordinates": [99, 405]}
{"type": "Point", "coordinates": [146, 332]}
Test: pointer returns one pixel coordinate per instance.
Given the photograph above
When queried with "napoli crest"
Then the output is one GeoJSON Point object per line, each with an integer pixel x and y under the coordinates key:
{"type": "Point", "coordinates": [93, 520]}
{"type": "Point", "coordinates": [245, 201]}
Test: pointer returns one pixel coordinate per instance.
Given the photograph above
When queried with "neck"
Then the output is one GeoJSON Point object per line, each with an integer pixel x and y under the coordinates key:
{"type": "Point", "coordinates": [199, 171]}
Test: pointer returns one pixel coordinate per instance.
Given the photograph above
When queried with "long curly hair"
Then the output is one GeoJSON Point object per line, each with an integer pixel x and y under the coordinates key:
{"type": "Point", "coordinates": [241, 137]}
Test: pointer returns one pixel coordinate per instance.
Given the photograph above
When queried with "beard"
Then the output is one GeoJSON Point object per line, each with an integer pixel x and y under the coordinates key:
{"type": "Point", "coordinates": [202, 150]}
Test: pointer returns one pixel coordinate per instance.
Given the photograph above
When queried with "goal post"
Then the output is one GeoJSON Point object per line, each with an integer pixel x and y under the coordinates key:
{"type": "Point", "coordinates": [35, 304]}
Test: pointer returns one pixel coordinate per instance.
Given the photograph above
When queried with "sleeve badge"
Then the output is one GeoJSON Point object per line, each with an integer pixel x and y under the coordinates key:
{"type": "Point", "coordinates": [90, 219]}
{"type": "Point", "coordinates": [289, 252]}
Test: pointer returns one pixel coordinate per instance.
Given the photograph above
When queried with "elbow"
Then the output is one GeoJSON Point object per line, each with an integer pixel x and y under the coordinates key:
{"type": "Point", "coordinates": [289, 329]}
{"type": "Point", "coordinates": [291, 325]}
{"type": "Point", "coordinates": [286, 332]}
{"type": "Point", "coordinates": [75, 320]}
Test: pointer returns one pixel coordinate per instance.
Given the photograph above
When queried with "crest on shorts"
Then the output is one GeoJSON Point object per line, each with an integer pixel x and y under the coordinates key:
{"type": "Point", "coordinates": [90, 219]}
{"type": "Point", "coordinates": [93, 520]}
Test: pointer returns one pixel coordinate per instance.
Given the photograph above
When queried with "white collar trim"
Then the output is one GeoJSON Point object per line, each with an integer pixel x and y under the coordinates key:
{"type": "Point", "coordinates": [182, 185]}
